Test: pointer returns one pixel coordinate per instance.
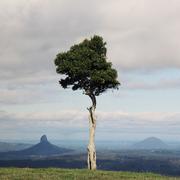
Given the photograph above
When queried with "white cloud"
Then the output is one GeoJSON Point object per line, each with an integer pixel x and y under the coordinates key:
{"type": "Point", "coordinates": [77, 122]}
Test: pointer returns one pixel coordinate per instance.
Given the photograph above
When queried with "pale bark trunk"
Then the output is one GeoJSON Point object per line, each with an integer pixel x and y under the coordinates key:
{"type": "Point", "coordinates": [91, 159]}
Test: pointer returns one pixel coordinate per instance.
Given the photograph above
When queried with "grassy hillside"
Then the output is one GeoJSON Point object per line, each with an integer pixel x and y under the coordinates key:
{"type": "Point", "coordinates": [75, 174]}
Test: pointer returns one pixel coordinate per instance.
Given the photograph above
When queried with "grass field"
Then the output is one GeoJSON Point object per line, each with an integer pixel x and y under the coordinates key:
{"type": "Point", "coordinates": [75, 174]}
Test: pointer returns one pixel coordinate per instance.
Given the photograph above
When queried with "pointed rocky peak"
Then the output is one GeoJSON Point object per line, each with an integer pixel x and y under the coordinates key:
{"type": "Point", "coordinates": [43, 139]}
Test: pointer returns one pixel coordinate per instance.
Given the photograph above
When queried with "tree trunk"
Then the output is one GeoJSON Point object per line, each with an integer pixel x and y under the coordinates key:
{"type": "Point", "coordinates": [91, 159]}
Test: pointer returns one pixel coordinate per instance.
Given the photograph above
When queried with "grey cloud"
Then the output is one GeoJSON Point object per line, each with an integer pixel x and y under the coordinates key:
{"type": "Point", "coordinates": [32, 33]}
{"type": "Point", "coordinates": [37, 30]}
{"type": "Point", "coordinates": [141, 35]}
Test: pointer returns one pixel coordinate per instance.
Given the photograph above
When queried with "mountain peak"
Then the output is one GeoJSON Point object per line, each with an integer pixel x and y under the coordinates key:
{"type": "Point", "coordinates": [43, 139]}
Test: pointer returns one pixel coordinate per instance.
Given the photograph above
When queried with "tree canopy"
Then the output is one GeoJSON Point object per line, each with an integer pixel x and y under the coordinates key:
{"type": "Point", "coordinates": [85, 67]}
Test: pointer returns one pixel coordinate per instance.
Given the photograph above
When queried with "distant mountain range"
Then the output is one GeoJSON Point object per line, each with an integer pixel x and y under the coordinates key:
{"type": "Point", "coordinates": [5, 147]}
{"type": "Point", "coordinates": [43, 148]}
{"type": "Point", "coordinates": [150, 143]}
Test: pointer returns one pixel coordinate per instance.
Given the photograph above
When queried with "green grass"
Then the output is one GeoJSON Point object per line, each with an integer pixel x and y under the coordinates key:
{"type": "Point", "coordinates": [75, 174]}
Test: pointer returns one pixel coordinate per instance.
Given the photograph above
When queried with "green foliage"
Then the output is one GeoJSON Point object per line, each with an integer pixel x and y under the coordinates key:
{"type": "Point", "coordinates": [67, 174]}
{"type": "Point", "coordinates": [85, 67]}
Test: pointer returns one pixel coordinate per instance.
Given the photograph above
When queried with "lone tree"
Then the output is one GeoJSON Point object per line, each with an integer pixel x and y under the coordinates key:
{"type": "Point", "coordinates": [85, 67]}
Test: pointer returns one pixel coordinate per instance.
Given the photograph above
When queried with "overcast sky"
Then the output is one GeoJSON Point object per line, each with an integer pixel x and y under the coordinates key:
{"type": "Point", "coordinates": [143, 44]}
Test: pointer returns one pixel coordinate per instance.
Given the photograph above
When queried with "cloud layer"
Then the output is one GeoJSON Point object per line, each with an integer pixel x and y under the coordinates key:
{"type": "Point", "coordinates": [75, 122]}
{"type": "Point", "coordinates": [143, 44]}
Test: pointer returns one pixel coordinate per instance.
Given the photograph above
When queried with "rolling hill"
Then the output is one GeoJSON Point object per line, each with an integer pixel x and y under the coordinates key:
{"type": "Point", "coordinates": [150, 143]}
